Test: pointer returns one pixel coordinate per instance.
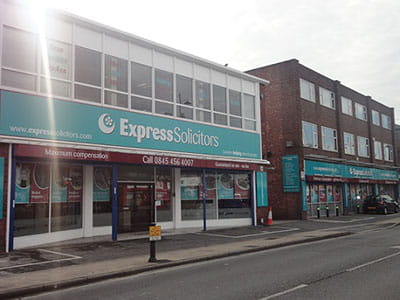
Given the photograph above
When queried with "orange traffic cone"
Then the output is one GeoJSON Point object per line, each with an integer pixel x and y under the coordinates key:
{"type": "Point", "coordinates": [269, 218]}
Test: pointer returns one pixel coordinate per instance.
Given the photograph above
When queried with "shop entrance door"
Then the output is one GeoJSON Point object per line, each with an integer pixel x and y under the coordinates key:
{"type": "Point", "coordinates": [134, 206]}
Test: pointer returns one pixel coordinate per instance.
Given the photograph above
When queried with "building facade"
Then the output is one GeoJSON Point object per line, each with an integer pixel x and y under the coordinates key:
{"type": "Point", "coordinates": [330, 146]}
{"type": "Point", "coordinates": [102, 132]}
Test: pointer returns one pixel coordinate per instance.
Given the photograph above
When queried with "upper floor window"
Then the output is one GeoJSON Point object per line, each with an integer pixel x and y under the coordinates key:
{"type": "Point", "coordinates": [184, 90]}
{"type": "Point", "coordinates": [307, 90]}
{"type": "Point", "coordinates": [141, 80]}
{"type": "Point", "coordinates": [87, 66]}
{"type": "Point", "coordinates": [388, 152]}
{"type": "Point", "coordinates": [163, 85]}
{"type": "Point", "coordinates": [115, 73]}
{"type": "Point", "coordinates": [327, 98]}
{"type": "Point", "coordinates": [347, 106]}
{"type": "Point", "coordinates": [375, 118]}
{"type": "Point", "coordinates": [377, 150]}
{"type": "Point", "coordinates": [329, 139]}
{"type": "Point", "coordinates": [249, 112]}
{"type": "Point", "coordinates": [310, 135]}
{"type": "Point", "coordinates": [386, 122]}
{"type": "Point", "coordinates": [361, 111]}
{"type": "Point", "coordinates": [363, 146]}
{"type": "Point", "coordinates": [203, 94]}
{"type": "Point", "coordinates": [349, 146]}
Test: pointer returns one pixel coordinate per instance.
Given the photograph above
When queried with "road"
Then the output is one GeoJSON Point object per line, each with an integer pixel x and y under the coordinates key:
{"type": "Point", "coordinates": [360, 266]}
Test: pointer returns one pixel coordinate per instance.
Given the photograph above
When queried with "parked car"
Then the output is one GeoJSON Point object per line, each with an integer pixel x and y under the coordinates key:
{"type": "Point", "coordinates": [380, 204]}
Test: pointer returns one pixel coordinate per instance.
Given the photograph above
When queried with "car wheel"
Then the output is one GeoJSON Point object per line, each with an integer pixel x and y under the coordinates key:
{"type": "Point", "coordinates": [385, 211]}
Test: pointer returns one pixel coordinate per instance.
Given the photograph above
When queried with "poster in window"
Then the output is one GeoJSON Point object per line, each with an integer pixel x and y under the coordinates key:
{"type": "Point", "coordinates": [337, 193]}
{"type": "Point", "coordinates": [242, 186]}
{"type": "Point", "coordinates": [101, 184]}
{"type": "Point", "coordinates": [329, 193]}
{"type": "Point", "coordinates": [211, 187]}
{"type": "Point", "coordinates": [225, 186]}
{"type": "Point", "coordinates": [190, 187]}
{"type": "Point", "coordinates": [40, 182]}
{"type": "Point", "coordinates": [314, 193]}
{"type": "Point", "coordinates": [75, 182]}
{"type": "Point", "coordinates": [22, 183]}
{"type": "Point", "coordinates": [59, 59]}
{"type": "Point", "coordinates": [59, 190]}
{"type": "Point", "coordinates": [308, 193]}
{"type": "Point", "coordinates": [322, 193]}
{"type": "Point", "coordinates": [163, 190]}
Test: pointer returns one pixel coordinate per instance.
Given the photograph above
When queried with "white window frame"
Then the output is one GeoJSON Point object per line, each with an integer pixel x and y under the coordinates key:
{"type": "Point", "coordinates": [363, 141]}
{"type": "Point", "coordinates": [314, 130]}
{"type": "Point", "coordinates": [349, 148]}
{"type": "Point", "coordinates": [388, 152]}
{"type": "Point", "coordinates": [327, 98]}
{"type": "Point", "coordinates": [386, 121]}
{"type": "Point", "coordinates": [347, 106]}
{"type": "Point", "coordinates": [378, 150]}
{"type": "Point", "coordinates": [329, 133]}
{"type": "Point", "coordinates": [376, 120]}
{"type": "Point", "coordinates": [361, 111]}
{"type": "Point", "coordinates": [307, 90]}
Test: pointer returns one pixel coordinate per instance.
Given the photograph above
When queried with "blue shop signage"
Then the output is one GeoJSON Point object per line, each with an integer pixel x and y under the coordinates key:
{"type": "Point", "coordinates": [316, 168]}
{"type": "Point", "coordinates": [41, 118]}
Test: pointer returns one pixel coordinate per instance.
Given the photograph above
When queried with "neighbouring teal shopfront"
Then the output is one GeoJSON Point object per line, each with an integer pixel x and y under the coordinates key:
{"type": "Point", "coordinates": [331, 185]}
{"type": "Point", "coordinates": [187, 174]}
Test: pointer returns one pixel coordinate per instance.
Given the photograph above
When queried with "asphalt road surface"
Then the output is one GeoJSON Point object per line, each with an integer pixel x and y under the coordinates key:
{"type": "Point", "coordinates": [361, 266]}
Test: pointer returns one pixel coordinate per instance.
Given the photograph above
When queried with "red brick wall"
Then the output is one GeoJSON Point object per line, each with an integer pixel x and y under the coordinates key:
{"type": "Point", "coordinates": [4, 153]}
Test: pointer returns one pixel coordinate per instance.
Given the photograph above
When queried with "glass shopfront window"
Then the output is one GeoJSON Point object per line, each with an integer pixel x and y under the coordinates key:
{"type": "Point", "coordinates": [234, 195]}
{"type": "Point", "coordinates": [322, 196]}
{"type": "Point", "coordinates": [66, 197]}
{"type": "Point", "coordinates": [31, 199]}
{"type": "Point", "coordinates": [102, 196]}
{"type": "Point", "coordinates": [40, 191]}
{"type": "Point", "coordinates": [191, 202]}
{"type": "Point", "coordinates": [163, 191]}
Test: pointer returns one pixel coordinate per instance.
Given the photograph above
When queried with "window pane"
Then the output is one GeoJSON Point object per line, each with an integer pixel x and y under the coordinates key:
{"type": "Point", "coordinates": [19, 49]}
{"type": "Point", "coordinates": [219, 97]}
{"type": "Point", "coordinates": [164, 194]}
{"type": "Point", "coordinates": [361, 112]}
{"type": "Point", "coordinates": [184, 90]}
{"type": "Point", "coordinates": [115, 99]}
{"type": "Point", "coordinates": [141, 104]}
{"type": "Point", "coordinates": [191, 202]}
{"type": "Point", "coordinates": [307, 90]}
{"type": "Point", "coordinates": [375, 118]}
{"type": "Point", "coordinates": [327, 98]}
{"type": "Point", "coordinates": [310, 135]}
{"type": "Point", "coordinates": [31, 199]}
{"type": "Point", "coordinates": [184, 112]}
{"type": "Point", "coordinates": [163, 85]}
{"type": "Point", "coordinates": [56, 88]}
{"type": "Point", "coordinates": [347, 106]}
{"type": "Point", "coordinates": [249, 106]}
{"type": "Point", "coordinates": [87, 93]}
{"type": "Point", "coordinates": [87, 66]}
{"type": "Point", "coordinates": [164, 108]}
{"type": "Point", "coordinates": [59, 60]}
{"type": "Point", "coordinates": [66, 198]}
{"type": "Point", "coordinates": [203, 116]}
{"type": "Point", "coordinates": [203, 94]}
{"type": "Point", "coordinates": [377, 150]}
{"type": "Point", "coordinates": [102, 197]}
{"type": "Point", "coordinates": [220, 119]}
{"type": "Point", "coordinates": [329, 141]}
{"type": "Point", "coordinates": [349, 147]}
{"type": "Point", "coordinates": [233, 192]}
{"type": "Point", "coordinates": [141, 80]}
{"type": "Point", "coordinates": [363, 146]}
{"type": "Point", "coordinates": [116, 73]}
{"type": "Point", "coordinates": [18, 80]}
{"type": "Point", "coordinates": [235, 122]}
{"type": "Point", "coordinates": [250, 124]}
{"type": "Point", "coordinates": [235, 105]}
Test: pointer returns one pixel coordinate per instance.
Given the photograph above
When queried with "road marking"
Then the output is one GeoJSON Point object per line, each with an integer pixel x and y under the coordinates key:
{"type": "Point", "coordinates": [341, 221]}
{"type": "Point", "coordinates": [69, 257]}
{"type": "Point", "coordinates": [285, 292]}
{"type": "Point", "coordinates": [247, 235]}
{"type": "Point", "coordinates": [373, 262]}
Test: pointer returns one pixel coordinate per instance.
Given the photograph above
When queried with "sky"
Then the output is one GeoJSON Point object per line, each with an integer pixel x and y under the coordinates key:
{"type": "Point", "coordinates": [354, 41]}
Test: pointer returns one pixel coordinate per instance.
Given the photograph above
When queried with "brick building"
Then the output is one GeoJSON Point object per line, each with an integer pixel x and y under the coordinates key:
{"type": "Point", "coordinates": [397, 143]}
{"type": "Point", "coordinates": [330, 145]}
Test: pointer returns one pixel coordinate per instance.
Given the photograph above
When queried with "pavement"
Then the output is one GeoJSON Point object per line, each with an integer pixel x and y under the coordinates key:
{"type": "Point", "coordinates": [77, 262]}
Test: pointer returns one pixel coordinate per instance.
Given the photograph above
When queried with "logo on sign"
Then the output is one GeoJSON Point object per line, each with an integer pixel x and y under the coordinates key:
{"type": "Point", "coordinates": [106, 124]}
